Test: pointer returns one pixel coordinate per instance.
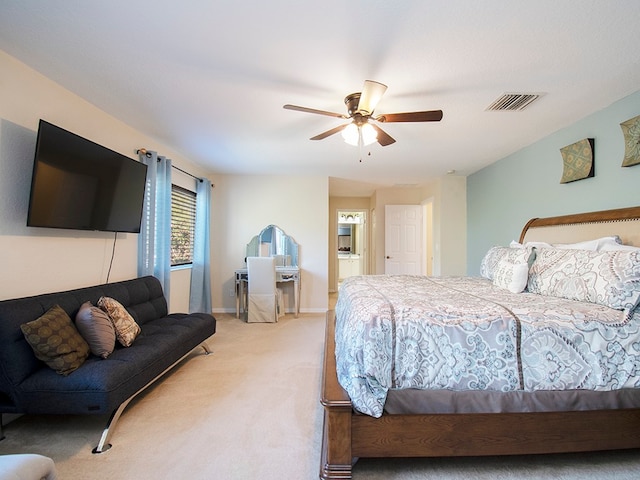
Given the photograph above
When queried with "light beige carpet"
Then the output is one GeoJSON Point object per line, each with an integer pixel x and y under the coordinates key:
{"type": "Point", "coordinates": [251, 411]}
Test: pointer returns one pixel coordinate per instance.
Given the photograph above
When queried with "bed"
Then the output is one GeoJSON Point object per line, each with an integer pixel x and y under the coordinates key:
{"type": "Point", "coordinates": [523, 422]}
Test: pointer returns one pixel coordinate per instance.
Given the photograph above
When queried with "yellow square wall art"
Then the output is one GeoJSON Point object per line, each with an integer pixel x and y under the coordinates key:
{"type": "Point", "coordinates": [578, 161]}
{"type": "Point", "coordinates": [631, 132]}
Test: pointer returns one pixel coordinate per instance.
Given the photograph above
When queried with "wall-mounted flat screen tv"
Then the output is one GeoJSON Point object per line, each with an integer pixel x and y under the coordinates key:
{"type": "Point", "coordinates": [78, 184]}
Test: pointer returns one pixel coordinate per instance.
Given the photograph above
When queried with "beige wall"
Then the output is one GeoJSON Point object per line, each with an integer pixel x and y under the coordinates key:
{"type": "Point", "coordinates": [452, 221]}
{"type": "Point", "coordinates": [444, 217]}
{"type": "Point", "coordinates": [37, 260]}
{"type": "Point", "coordinates": [449, 209]}
{"type": "Point", "coordinates": [243, 205]}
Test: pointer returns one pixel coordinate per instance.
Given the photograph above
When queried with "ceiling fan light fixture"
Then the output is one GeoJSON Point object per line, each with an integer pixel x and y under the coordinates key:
{"type": "Point", "coordinates": [351, 135]}
{"type": "Point", "coordinates": [369, 134]}
{"type": "Point", "coordinates": [357, 135]}
{"type": "Point", "coordinates": [371, 94]}
{"type": "Point", "coordinates": [360, 106]}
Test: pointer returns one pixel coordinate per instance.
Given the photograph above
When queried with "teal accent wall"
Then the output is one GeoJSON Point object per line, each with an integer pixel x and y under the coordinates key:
{"type": "Point", "coordinates": [502, 197]}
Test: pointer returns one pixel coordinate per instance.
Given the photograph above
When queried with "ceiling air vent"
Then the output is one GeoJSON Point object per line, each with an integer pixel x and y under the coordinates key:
{"type": "Point", "coordinates": [513, 101]}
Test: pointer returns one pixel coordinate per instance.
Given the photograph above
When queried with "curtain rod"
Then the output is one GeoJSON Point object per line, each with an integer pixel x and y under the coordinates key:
{"type": "Point", "coordinates": [186, 173]}
{"type": "Point", "coordinates": [144, 151]}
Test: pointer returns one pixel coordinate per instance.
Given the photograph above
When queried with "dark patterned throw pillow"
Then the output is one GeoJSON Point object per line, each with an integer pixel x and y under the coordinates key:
{"type": "Point", "coordinates": [56, 341]}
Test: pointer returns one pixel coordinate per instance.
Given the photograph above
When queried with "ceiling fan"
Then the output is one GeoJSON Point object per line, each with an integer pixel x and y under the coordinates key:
{"type": "Point", "coordinates": [360, 106]}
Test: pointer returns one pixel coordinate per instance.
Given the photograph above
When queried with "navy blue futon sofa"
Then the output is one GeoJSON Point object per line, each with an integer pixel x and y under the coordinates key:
{"type": "Point", "coordinates": [99, 386]}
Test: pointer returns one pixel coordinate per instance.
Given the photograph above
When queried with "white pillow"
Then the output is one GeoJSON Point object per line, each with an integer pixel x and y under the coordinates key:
{"type": "Point", "coordinates": [595, 244]}
{"type": "Point", "coordinates": [511, 276]}
{"type": "Point", "coordinates": [515, 244]}
{"type": "Point", "coordinates": [610, 247]}
{"type": "Point", "coordinates": [491, 259]}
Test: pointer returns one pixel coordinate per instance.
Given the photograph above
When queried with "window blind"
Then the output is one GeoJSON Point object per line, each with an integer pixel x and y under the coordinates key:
{"type": "Point", "coordinates": [183, 222]}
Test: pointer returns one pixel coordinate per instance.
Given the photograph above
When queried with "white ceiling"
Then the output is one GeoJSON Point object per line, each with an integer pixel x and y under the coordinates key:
{"type": "Point", "coordinates": [209, 78]}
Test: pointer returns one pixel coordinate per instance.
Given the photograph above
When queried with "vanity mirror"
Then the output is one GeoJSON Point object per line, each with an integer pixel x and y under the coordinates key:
{"type": "Point", "coordinates": [273, 242]}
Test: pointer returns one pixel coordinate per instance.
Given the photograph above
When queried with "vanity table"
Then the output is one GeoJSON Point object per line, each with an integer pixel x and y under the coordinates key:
{"type": "Point", "coordinates": [271, 242]}
{"type": "Point", "coordinates": [283, 274]}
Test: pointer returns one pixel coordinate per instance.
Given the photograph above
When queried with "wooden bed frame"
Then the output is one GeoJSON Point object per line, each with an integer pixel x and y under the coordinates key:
{"type": "Point", "coordinates": [348, 435]}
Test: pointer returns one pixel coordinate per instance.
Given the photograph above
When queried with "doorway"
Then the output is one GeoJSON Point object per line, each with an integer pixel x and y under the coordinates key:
{"type": "Point", "coordinates": [351, 244]}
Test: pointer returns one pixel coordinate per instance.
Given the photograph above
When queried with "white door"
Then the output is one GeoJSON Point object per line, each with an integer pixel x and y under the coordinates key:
{"type": "Point", "coordinates": [403, 239]}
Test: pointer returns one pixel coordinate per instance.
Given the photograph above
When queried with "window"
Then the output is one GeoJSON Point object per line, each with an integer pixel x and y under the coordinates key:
{"type": "Point", "coordinates": [183, 223]}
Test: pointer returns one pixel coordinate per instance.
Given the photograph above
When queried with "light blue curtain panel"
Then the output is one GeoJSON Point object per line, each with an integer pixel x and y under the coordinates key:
{"type": "Point", "coordinates": [200, 295]}
{"type": "Point", "coordinates": [154, 241]}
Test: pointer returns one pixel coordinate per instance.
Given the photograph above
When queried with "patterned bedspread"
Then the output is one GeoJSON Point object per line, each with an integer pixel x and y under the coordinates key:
{"type": "Point", "coordinates": [464, 333]}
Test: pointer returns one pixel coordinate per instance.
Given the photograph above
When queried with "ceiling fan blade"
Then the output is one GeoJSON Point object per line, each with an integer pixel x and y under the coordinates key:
{"type": "Point", "coordinates": [371, 94]}
{"type": "Point", "coordinates": [328, 133]}
{"type": "Point", "coordinates": [384, 138]}
{"type": "Point", "coordinates": [313, 110]}
{"type": "Point", "coordinates": [428, 116]}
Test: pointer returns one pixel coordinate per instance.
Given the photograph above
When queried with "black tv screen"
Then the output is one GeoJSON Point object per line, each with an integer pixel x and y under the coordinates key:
{"type": "Point", "coordinates": [78, 184]}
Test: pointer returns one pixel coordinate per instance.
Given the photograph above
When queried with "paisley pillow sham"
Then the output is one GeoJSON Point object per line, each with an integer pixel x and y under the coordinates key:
{"type": "Point", "coordinates": [489, 264]}
{"type": "Point", "coordinates": [609, 278]}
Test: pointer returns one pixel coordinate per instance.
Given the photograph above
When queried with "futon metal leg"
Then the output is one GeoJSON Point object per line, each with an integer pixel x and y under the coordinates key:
{"type": "Point", "coordinates": [103, 444]}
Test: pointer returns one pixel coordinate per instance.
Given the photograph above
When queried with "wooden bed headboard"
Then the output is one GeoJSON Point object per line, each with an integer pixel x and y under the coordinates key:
{"type": "Point", "coordinates": [624, 222]}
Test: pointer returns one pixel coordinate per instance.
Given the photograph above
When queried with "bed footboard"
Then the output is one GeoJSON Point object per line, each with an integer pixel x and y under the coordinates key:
{"type": "Point", "coordinates": [335, 459]}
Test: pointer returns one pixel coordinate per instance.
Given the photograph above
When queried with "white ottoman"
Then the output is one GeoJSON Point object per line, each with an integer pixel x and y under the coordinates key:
{"type": "Point", "coordinates": [27, 466]}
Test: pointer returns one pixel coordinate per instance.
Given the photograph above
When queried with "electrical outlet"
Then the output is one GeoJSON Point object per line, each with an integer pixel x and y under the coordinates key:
{"type": "Point", "coordinates": [232, 292]}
